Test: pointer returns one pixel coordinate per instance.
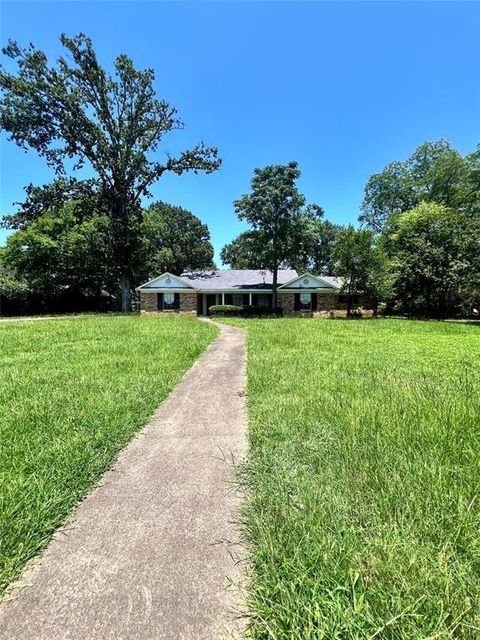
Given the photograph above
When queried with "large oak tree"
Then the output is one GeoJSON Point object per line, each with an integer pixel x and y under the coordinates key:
{"type": "Point", "coordinates": [74, 113]}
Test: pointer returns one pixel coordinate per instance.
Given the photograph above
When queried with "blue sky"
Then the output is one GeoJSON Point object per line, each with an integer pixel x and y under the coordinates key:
{"type": "Point", "coordinates": [341, 87]}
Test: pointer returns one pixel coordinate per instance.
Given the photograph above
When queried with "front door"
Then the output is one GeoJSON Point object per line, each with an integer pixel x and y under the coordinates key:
{"type": "Point", "coordinates": [211, 300]}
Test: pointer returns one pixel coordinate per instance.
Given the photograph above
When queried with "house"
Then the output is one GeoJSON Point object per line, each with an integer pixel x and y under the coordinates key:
{"type": "Point", "coordinates": [196, 292]}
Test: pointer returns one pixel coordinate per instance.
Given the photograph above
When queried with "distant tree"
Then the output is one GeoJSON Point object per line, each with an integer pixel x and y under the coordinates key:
{"type": "Point", "coordinates": [275, 209]}
{"type": "Point", "coordinates": [435, 252]}
{"type": "Point", "coordinates": [74, 110]}
{"type": "Point", "coordinates": [315, 253]}
{"type": "Point", "coordinates": [58, 252]}
{"type": "Point", "coordinates": [436, 172]}
{"type": "Point", "coordinates": [174, 240]}
{"type": "Point", "coordinates": [245, 251]}
{"type": "Point", "coordinates": [362, 264]}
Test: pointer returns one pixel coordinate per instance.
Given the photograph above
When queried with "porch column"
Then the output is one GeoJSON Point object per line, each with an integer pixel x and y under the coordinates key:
{"type": "Point", "coordinates": [223, 298]}
{"type": "Point", "coordinates": [250, 299]}
{"type": "Point", "coordinates": [204, 304]}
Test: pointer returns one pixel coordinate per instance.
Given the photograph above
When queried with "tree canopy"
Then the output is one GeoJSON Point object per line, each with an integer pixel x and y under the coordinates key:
{"type": "Point", "coordinates": [174, 240]}
{"type": "Point", "coordinates": [276, 211]}
{"type": "Point", "coordinates": [61, 257]}
{"type": "Point", "coordinates": [435, 172]}
{"type": "Point", "coordinates": [73, 112]}
{"type": "Point", "coordinates": [435, 257]}
{"type": "Point", "coordinates": [362, 263]}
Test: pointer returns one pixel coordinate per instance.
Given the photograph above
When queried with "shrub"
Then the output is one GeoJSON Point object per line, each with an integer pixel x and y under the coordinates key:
{"type": "Point", "coordinates": [246, 311]}
{"type": "Point", "coordinates": [225, 310]}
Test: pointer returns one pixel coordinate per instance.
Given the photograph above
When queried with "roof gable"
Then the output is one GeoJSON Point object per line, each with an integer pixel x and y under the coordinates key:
{"type": "Point", "coordinates": [309, 281]}
{"type": "Point", "coordinates": [166, 281]}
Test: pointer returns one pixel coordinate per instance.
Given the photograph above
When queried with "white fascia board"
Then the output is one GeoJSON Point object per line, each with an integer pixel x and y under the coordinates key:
{"type": "Point", "coordinates": [146, 285]}
{"type": "Point", "coordinates": [323, 283]}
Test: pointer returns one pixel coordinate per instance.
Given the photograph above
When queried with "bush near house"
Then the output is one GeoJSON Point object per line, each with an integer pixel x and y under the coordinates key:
{"type": "Point", "coordinates": [244, 311]}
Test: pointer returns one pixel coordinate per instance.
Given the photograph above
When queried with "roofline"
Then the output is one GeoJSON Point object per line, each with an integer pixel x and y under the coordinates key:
{"type": "Point", "coordinates": [309, 275]}
{"type": "Point", "coordinates": [166, 273]}
{"type": "Point", "coordinates": [238, 291]}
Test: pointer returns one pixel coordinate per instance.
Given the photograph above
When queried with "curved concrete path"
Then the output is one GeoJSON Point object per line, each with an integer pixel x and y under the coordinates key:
{"type": "Point", "coordinates": [148, 553]}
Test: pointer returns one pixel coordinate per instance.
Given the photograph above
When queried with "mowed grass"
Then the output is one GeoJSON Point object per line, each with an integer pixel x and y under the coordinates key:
{"type": "Point", "coordinates": [72, 394]}
{"type": "Point", "coordinates": [363, 482]}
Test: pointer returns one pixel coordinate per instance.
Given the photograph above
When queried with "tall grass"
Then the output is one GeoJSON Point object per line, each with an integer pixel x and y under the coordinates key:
{"type": "Point", "coordinates": [363, 515]}
{"type": "Point", "coordinates": [72, 394]}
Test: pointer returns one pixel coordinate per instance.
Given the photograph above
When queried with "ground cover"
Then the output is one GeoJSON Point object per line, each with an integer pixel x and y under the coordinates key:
{"type": "Point", "coordinates": [363, 509]}
{"type": "Point", "coordinates": [72, 394]}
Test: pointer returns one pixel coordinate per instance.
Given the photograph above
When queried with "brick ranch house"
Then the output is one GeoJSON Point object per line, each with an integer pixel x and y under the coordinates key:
{"type": "Point", "coordinates": [196, 292]}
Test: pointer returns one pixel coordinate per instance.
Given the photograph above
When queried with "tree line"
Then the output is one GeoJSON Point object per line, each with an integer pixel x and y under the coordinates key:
{"type": "Point", "coordinates": [84, 244]}
{"type": "Point", "coordinates": [417, 250]}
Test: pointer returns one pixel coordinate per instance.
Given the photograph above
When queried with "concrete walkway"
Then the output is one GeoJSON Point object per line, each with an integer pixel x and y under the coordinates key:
{"type": "Point", "coordinates": [148, 553]}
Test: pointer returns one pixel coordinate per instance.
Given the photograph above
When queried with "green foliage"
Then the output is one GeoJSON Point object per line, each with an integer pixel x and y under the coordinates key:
{"type": "Point", "coordinates": [73, 392]}
{"type": "Point", "coordinates": [57, 251]}
{"type": "Point", "coordinates": [362, 514]}
{"type": "Point", "coordinates": [362, 263]}
{"type": "Point", "coordinates": [225, 310]}
{"type": "Point", "coordinates": [276, 212]}
{"type": "Point", "coordinates": [435, 256]}
{"type": "Point", "coordinates": [246, 311]}
{"type": "Point", "coordinates": [246, 251]}
{"type": "Point", "coordinates": [315, 252]}
{"type": "Point", "coordinates": [114, 123]}
{"type": "Point", "coordinates": [173, 240]}
{"type": "Point", "coordinates": [436, 172]}
{"type": "Point", "coordinates": [64, 254]}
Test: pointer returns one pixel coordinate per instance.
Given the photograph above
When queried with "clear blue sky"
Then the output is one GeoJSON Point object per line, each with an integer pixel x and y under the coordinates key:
{"type": "Point", "coordinates": [341, 87]}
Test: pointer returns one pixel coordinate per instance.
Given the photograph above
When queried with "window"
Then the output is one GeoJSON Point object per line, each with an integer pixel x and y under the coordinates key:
{"type": "Point", "coordinates": [237, 299]}
{"type": "Point", "coordinates": [305, 299]}
{"type": "Point", "coordinates": [344, 299]}
{"type": "Point", "coordinates": [263, 300]}
{"type": "Point", "coordinates": [168, 300]}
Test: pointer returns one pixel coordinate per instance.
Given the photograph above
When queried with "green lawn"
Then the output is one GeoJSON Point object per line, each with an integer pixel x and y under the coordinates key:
{"type": "Point", "coordinates": [72, 394]}
{"type": "Point", "coordinates": [363, 515]}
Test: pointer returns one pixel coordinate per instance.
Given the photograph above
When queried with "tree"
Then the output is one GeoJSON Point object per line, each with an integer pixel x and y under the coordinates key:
{"type": "Point", "coordinates": [174, 240]}
{"type": "Point", "coordinates": [74, 110]}
{"type": "Point", "coordinates": [60, 252]}
{"type": "Point", "coordinates": [275, 210]}
{"type": "Point", "coordinates": [435, 253]}
{"type": "Point", "coordinates": [245, 251]}
{"type": "Point", "coordinates": [436, 172]}
{"type": "Point", "coordinates": [362, 263]}
{"type": "Point", "coordinates": [315, 253]}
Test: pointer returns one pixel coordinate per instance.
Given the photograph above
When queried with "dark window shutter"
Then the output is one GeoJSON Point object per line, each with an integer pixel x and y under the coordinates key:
{"type": "Point", "coordinates": [245, 299]}
{"type": "Point", "coordinates": [228, 297]}
{"type": "Point", "coordinates": [296, 305]}
{"type": "Point", "coordinates": [254, 299]}
{"type": "Point", "coordinates": [159, 301]}
{"type": "Point", "coordinates": [176, 301]}
{"type": "Point", "coordinates": [314, 302]}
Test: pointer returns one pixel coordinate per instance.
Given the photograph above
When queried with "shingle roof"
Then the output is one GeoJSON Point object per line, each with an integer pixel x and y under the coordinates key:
{"type": "Point", "coordinates": [334, 281]}
{"type": "Point", "coordinates": [236, 278]}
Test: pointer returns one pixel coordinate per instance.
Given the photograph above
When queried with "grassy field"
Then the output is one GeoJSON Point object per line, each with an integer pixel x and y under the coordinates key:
{"type": "Point", "coordinates": [72, 394]}
{"type": "Point", "coordinates": [363, 514]}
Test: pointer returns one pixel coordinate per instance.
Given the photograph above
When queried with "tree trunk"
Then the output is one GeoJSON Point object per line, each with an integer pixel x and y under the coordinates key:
{"type": "Point", "coordinates": [126, 294]}
{"type": "Point", "coordinates": [274, 287]}
{"type": "Point", "coordinates": [349, 300]}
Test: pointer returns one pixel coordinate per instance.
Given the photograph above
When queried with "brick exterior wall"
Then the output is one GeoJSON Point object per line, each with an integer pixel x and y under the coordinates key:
{"type": "Point", "coordinates": [328, 304]}
{"type": "Point", "coordinates": [287, 302]}
{"type": "Point", "coordinates": [148, 302]}
{"type": "Point", "coordinates": [188, 303]}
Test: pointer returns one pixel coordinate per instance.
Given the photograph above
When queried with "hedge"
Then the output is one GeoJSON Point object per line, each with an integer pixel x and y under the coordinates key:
{"type": "Point", "coordinates": [244, 311]}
